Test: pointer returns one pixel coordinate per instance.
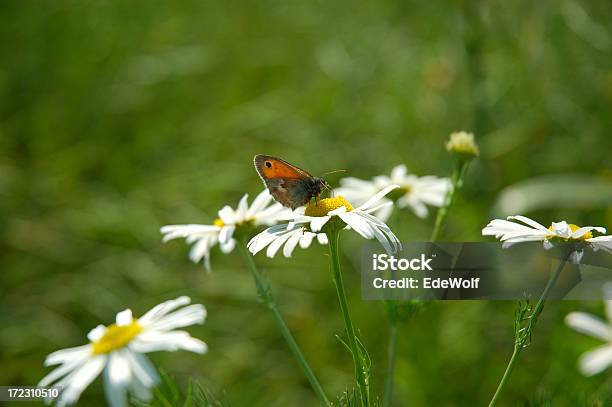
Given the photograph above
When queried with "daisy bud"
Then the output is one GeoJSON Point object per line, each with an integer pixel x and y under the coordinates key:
{"type": "Point", "coordinates": [463, 144]}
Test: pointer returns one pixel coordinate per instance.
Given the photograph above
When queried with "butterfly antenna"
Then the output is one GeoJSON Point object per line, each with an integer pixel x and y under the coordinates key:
{"type": "Point", "coordinates": [333, 172]}
{"type": "Point", "coordinates": [330, 189]}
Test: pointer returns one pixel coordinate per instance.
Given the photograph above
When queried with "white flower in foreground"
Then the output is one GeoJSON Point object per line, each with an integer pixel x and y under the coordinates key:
{"type": "Point", "coordinates": [318, 214]}
{"type": "Point", "coordinates": [414, 192]}
{"type": "Point", "coordinates": [518, 229]}
{"type": "Point", "coordinates": [117, 352]}
{"type": "Point", "coordinates": [600, 358]}
{"type": "Point", "coordinates": [205, 237]}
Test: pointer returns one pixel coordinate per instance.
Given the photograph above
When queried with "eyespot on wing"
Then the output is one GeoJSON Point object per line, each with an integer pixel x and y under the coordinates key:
{"type": "Point", "coordinates": [269, 167]}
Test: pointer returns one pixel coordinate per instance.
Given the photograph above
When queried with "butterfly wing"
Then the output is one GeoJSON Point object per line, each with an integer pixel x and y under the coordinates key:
{"type": "Point", "coordinates": [269, 167]}
{"type": "Point", "coordinates": [287, 183]}
{"type": "Point", "coordinates": [291, 193]}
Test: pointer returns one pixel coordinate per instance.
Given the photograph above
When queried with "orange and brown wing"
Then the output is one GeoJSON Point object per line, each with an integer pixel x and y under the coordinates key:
{"type": "Point", "coordinates": [287, 183]}
{"type": "Point", "coordinates": [269, 167]}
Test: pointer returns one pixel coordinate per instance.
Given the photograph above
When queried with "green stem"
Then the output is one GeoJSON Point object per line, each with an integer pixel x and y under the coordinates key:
{"type": "Point", "coordinates": [525, 335]}
{"type": "Point", "coordinates": [391, 351]}
{"type": "Point", "coordinates": [504, 380]}
{"type": "Point", "coordinates": [361, 370]}
{"type": "Point", "coordinates": [266, 296]}
{"type": "Point", "coordinates": [456, 184]}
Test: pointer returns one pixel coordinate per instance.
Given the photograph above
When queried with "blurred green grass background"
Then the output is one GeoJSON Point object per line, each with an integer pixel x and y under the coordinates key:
{"type": "Point", "coordinates": [119, 117]}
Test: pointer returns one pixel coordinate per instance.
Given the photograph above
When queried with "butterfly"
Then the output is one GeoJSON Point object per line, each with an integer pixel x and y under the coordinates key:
{"type": "Point", "coordinates": [288, 184]}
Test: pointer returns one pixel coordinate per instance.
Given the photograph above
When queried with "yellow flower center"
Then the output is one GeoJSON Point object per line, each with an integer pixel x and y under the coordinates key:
{"type": "Point", "coordinates": [116, 337]}
{"type": "Point", "coordinates": [322, 207]}
{"type": "Point", "coordinates": [574, 228]}
{"type": "Point", "coordinates": [218, 222]}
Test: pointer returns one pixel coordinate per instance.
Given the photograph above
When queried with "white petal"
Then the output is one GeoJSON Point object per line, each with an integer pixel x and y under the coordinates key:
{"type": "Point", "coordinates": [142, 379]}
{"type": "Point", "coordinates": [272, 214]}
{"type": "Point", "coordinates": [299, 219]}
{"type": "Point", "coordinates": [202, 248]}
{"type": "Point", "coordinates": [374, 200]}
{"type": "Point", "coordinates": [580, 232]}
{"type": "Point", "coordinates": [117, 377]}
{"type": "Point", "coordinates": [261, 240]}
{"type": "Point", "coordinates": [366, 227]}
{"type": "Point", "coordinates": [600, 239]}
{"type": "Point", "coordinates": [356, 195]}
{"type": "Point", "coordinates": [418, 207]}
{"type": "Point", "coordinates": [562, 229]}
{"type": "Point", "coordinates": [190, 315]}
{"type": "Point", "coordinates": [226, 233]}
{"type": "Point", "coordinates": [337, 211]}
{"type": "Point", "coordinates": [291, 243]}
{"type": "Point", "coordinates": [227, 215]}
{"type": "Point", "coordinates": [498, 227]}
{"type": "Point", "coordinates": [61, 371]}
{"type": "Point", "coordinates": [141, 390]}
{"type": "Point", "coordinates": [96, 333]}
{"type": "Point", "coordinates": [385, 203]}
{"type": "Point", "coordinates": [118, 368]}
{"type": "Point", "coordinates": [153, 341]}
{"type": "Point", "coordinates": [358, 224]}
{"type": "Point", "coordinates": [506, 230]}
{"type": "Point", "coordinates": [317, 223]}
{"type": "Point", "coordinates": [242, 209]}
{"type": "Point", "coordinates": [381, 181]}
{"type": "Point", "coordinates": [228, 246]}
{"type": "Point", "coordinates": [430, 190]}
{"type": "Point", "coordinates": [399, 172]}
{"type": "Point", "coordinates": [279, 241]}
{"type": "Point", "coordinates": [158, 311]}
{"type": "Point", "coordinates": [124, 317]}
{"type": "Point", "coordinates": [259, 203]}
{"type": "Point", "coordinates": [306, 239]}
{"type": "Point", "coordinates": [78, 380]}
{"type": "Point", "coordinates": [596, 361]}
{"type": "Point", "coordinates": [382, 227]}
{"type": "Point", "coordinates": [67, 355]}
{"type": "Point", "coordinates": [175, 231]}
{"type": "Point", "coordinates": [355, 189]}
{"type": "Point", "coordinates": [601, 242]}
{"type": "Point", "coordinates": [355, 183]}
{"type": "Point", "coordinates": [530, 222]}
{"type": "Point", "coordinates": [589, 325]}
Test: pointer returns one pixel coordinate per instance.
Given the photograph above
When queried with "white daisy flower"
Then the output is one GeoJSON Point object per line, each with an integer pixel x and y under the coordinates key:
{"type": "Point", "coordinates": [303, 227]}
{"type": "Point", "coordinates": [221, 232]}
{"type": "Point", "coordinates": [117, 352]}
{"type": "Point", "coordinates": [599, 359]}
{"type": "Point", "coordinates": [414, 192]}
{"type": "Point", "coordinates": [518, 229]}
